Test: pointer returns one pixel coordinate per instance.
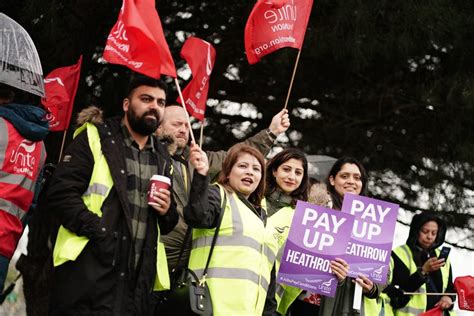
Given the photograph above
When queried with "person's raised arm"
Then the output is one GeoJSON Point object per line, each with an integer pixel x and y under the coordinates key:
{"type": "Point", "coordinates": [280, 123]}
{"type": "Point", "coordinates": [263, 141]}
{"type": "Point", "coordinates": [204, 202]}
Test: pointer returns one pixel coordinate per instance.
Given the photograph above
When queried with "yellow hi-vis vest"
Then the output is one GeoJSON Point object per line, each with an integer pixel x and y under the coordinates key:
{"type": "Point", "coordinates": [372, 306]}
{"type": "Point", "coordinates": [384, 300]}
{"type": "Point", "coordinates": [281, 221]}
{"type": "Point", "coordinates": [240, 267]}
{"type": "Point", "coordinates": [417, 304]}
{"type": "Point", "coordinates": [68, 245]}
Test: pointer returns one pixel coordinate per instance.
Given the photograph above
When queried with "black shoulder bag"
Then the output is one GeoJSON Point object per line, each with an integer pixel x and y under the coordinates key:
{"type": "Point", "coordinates": [199, 295]}
{"type": "Point", "coordinates": [177, 298]}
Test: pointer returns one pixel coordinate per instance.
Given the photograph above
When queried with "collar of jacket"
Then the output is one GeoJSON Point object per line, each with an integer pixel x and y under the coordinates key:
{"type": "Point", "coordinates": [257, 210]}
{"type": "Point", "coordinates": [28, 120]}
{"type": "Point", "coordinates": [182, 155]}
{"type": "Point", "coordinates": [112, 128]}
{"type": "Point", "coordinates": [280, 198]}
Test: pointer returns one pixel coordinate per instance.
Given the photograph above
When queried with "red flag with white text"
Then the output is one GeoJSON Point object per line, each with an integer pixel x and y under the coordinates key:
{"type": "Point", "coordinates": [137, 40]}
{"type": "Point", "coordinates": [60, 89]}
{"type": "Point", "coordinates": [200, 56]}
{"type": "Point", "coordinates": [274, 24]}
{"type": "Point", "coordinates": [465, 289]}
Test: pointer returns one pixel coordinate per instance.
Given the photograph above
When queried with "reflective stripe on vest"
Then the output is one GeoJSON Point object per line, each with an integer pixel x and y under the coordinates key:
{"type": "Point", "coordinates": [206, 241]}
{"type": "Point", "coordinates": [241, 264]}
{"type": "Point", "coordinates": [15, 179]}
{"type": "Point", "coordinates": [417, 303]}
{"type": "Point", "coordinates": [234, 273]}
{"type": "Point", "coordinates": [11, 208]}
{"type": "Point", "coordinates": [21, 161]}
{"type": "Point", "coordinates": [68, 245]}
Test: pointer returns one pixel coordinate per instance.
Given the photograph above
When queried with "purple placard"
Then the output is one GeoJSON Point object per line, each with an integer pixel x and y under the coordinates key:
{"type": "Point", "coordinates": [317, 236]}
{"type": "Point", "coordinates": [370, 245]}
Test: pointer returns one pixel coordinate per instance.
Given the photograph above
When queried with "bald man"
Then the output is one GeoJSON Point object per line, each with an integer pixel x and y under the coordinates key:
{"type": "Point", "coordinates": [175, 127]}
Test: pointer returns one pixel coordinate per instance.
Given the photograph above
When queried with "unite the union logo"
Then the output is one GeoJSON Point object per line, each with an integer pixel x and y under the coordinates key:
{"type": "Point", "coordinates": [22, 158]}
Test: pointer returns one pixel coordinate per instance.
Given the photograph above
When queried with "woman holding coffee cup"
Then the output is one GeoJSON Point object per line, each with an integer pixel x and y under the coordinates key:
{"type": "Point", "coordinates": [241, 264]}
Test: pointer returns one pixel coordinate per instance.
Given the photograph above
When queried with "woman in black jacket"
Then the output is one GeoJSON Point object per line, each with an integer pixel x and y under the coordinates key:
{"type": "Point", "coordinates": [348, 175]}
{"type": "Point", "coordinates": [424, 272]}
{"type": "Point", "coordinates": [240, 269]}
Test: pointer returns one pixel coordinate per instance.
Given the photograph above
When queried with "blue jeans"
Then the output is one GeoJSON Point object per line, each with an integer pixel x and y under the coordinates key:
{"type": "Point", "coordinates": [4, 262]}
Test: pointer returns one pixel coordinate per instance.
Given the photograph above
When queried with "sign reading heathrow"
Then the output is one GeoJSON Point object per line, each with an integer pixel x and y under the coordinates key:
{"type": "Point", "coordinates": [368, 251]}
{"type": "Point", "coordinates": [317, 236]}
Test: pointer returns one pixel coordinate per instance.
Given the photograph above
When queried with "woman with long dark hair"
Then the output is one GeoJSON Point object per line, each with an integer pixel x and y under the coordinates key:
{"type": "Point", "coordinates": [287, 182]}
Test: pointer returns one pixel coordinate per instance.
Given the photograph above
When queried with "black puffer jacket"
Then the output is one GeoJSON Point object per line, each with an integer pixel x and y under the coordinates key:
{"type": "Point", "coordinates": [103, 280]}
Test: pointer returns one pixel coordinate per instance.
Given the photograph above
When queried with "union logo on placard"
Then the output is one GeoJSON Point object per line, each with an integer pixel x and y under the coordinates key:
{"type": "Point", "coordinates": [325, 287]}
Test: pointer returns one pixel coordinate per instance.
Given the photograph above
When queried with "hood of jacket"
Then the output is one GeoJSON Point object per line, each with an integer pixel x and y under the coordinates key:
{"type": "Point", "coordinates": [28, 120]}
{"type": "Point", "coordinates": [417, 222]}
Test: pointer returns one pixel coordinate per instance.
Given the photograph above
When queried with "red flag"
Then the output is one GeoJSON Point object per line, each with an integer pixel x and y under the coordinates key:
{"type": "Point", "coordinates": [200, 55]}
{"type": "Point", "coordinates": [137, 40]}
{"type": "Point", "coordinates": [436, 311]}
{"type": "Point", "coordinates": [274, 24]}
{"type": "Point", "coordinates": [465, 288]}
{"type": "Point", "coordinates": [60, 88]}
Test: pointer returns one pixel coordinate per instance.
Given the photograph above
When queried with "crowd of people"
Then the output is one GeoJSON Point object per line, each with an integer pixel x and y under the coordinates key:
{"type": "Point", "coordinates": [113, 253]}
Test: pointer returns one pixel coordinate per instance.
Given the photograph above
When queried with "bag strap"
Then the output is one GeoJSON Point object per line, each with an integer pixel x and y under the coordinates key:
{"type": "Point", "coordinates": [214, 239]}
{"type": "Point", "coordinates": [183, 245]}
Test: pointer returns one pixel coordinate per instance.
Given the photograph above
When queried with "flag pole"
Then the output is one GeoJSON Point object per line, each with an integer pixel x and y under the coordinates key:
{"type": "Point", "coordinates": [201, 136]}
{"type": "Point", "coordinates": [418, 293]}
{"type": "Point", "coordinates": [292, 78]}
{"type": "Point", "coordinates": [62, 145]}
{"type": "Point", "coordinates": [184, 107]}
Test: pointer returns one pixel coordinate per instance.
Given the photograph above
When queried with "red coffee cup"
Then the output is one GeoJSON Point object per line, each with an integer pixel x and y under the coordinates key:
{"type": "Point", "coordinates": [157, 182]}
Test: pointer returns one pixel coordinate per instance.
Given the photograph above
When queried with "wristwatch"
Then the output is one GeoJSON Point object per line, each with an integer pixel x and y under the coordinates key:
{"type": "Point", "coordinates": [272, 136]}
{"type": "Point", "coordinates": [423, 274]}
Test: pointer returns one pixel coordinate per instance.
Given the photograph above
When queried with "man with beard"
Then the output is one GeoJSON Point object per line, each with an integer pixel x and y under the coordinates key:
{"type": "Point", "coordinates": [107, 255]}
{"type": "Point", "coordinates": [175, 127]}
